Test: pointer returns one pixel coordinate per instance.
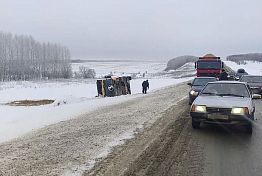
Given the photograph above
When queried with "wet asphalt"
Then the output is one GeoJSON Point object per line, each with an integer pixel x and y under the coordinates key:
{"type": "Point", "coordinates": [230, 151]}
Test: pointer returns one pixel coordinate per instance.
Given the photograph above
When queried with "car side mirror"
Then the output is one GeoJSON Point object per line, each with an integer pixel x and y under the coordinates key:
{"type": "Point", "coordinates": [256, 96]}
{"type": "Point", "coordinates": [190, 84]}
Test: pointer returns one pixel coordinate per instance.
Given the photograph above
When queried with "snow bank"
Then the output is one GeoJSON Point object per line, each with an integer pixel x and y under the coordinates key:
{"type": "Point", "coordinates": [77, 98]}
{"type": "Point", "coordinates": [251, 67]}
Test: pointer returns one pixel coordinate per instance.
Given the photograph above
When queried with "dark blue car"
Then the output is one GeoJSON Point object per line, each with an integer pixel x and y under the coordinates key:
{"type": "Point", "coordinates": [197, 85]}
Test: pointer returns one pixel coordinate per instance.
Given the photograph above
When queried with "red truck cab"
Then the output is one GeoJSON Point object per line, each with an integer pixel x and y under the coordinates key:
{"type": "Point", "coordinates": [209, 66]}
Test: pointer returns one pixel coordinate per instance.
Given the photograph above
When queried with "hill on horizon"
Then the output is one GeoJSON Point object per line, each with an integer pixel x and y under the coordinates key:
{"type": "Point", "coordinates": [240, 58]}
{"type": "Point", "coordinates": [179, 61]}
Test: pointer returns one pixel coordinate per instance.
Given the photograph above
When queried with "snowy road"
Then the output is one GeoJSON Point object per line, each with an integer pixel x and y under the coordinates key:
{"type": "Point", "coordinates": [71, 147]}
{"type": "Point", "coordinates": [172, 147]}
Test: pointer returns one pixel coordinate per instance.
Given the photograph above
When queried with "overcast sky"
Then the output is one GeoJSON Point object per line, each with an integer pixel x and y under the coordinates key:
{"type": "Point", "coordinates": [139, 29]}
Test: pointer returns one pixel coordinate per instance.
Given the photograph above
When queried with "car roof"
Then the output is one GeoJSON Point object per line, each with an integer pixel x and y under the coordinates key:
{"type": "Point", "coordinates": [241, 69]}
{"type": "Point", "coordinates": [227, 82]}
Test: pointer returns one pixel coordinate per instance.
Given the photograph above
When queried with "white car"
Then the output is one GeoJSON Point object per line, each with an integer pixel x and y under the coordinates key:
{"type": "Point", "coordinates": [224, 102]}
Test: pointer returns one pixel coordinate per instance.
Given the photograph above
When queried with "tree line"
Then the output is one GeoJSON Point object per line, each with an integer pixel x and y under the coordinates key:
{"type": "Point", "coordinates": [24, 58]}
{"type": "Point", "coordinates": [241, 58]}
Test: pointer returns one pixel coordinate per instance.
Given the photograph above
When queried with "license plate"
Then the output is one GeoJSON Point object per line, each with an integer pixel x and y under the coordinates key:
{"type": "Point", "coordinates": [217, 117]}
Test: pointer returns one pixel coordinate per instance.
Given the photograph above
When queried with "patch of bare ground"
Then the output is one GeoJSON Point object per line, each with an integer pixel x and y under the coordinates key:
{"type": "Point", "coordinates": [30, 102]}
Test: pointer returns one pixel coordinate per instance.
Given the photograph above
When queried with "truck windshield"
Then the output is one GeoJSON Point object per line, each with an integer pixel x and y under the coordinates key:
{"type": "Point", "coordinates": [209, 64]}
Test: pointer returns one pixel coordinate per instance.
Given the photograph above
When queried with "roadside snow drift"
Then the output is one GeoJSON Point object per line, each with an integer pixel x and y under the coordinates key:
{"type": "Point", "coordinates": [71, 100]}
{"type": "Point", "coordinates": [251, 67]}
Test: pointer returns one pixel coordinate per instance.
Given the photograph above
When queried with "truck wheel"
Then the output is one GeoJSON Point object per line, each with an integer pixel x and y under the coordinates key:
{"type": "Point", "coordinates": [249, 128]}
{"type": "Point", "coordinates": [195, 124]}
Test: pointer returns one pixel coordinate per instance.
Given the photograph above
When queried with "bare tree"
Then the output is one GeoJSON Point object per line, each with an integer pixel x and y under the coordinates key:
{"type": "Point", "coordinates": [23, 58]}
{"type": "Point", "coordinates": [86, 72]}
{"type": "Point", "coordinates": [242, 58]}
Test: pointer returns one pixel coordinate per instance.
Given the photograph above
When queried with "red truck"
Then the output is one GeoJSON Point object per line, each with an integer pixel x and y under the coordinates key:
{"type": "Point", "coordinates": [209, 66]}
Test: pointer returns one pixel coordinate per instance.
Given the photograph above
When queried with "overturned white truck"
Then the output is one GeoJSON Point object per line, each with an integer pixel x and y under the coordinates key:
{"type": "Point", "coordinates": [112, 86]}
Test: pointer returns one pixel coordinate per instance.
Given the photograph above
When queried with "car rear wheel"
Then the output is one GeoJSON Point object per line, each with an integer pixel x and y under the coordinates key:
{"type": "Point", "coordinates": [195, 124]}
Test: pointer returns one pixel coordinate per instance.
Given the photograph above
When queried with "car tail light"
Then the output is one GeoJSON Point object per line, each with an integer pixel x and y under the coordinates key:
{"type": "Point", "coordinates": [246, 110]}
{"type": "Point", "coordinates": [193, 108]}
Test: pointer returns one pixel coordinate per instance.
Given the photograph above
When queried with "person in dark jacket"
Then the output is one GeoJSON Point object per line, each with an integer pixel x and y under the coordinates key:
{"type": "Point", "coordinates": [223, 75]}
{"type": "Point", "coordinates": [145, 86]}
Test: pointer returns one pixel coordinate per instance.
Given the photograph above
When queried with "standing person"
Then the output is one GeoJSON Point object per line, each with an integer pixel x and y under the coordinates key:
{"type": "Point", "coordinates": [145, 86]}
{"type": "Point", "coordinates": [223, 75]}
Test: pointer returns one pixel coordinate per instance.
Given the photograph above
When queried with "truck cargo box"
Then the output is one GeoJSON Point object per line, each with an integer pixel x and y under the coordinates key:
{"type": "Point", "coordinates": [113, 86]}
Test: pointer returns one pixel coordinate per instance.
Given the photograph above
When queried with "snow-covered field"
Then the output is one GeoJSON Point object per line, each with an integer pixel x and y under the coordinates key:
{"type": "Point", "coordinates": [252, 68]}
{"type": "Point", "coordinates": [75, 97]}
{"type": "Point", "coordinates": [122, 68]}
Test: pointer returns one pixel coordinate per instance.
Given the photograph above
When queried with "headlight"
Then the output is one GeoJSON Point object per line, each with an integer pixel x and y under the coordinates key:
{"type": "Point", "coordinates": [192, 92]}
{"type": "Point", "coordinates": [239, 111]}
{"type": "Point", "coordinates": [198, 108]}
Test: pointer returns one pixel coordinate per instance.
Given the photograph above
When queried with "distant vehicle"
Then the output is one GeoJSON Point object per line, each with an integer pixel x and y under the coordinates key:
{"type": "Point", "coordinates": [254, 82]}
{"type": "Point", "coordinates": [224, 102]}
{"type": "Point", "coordinates": [209, 66]}
{"type": "Point", "coordinates": [231, 75]}
{"type": "Point", "coordinates": [197, 85]}
{"type": "Point", "coordinates": [240, 73]}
